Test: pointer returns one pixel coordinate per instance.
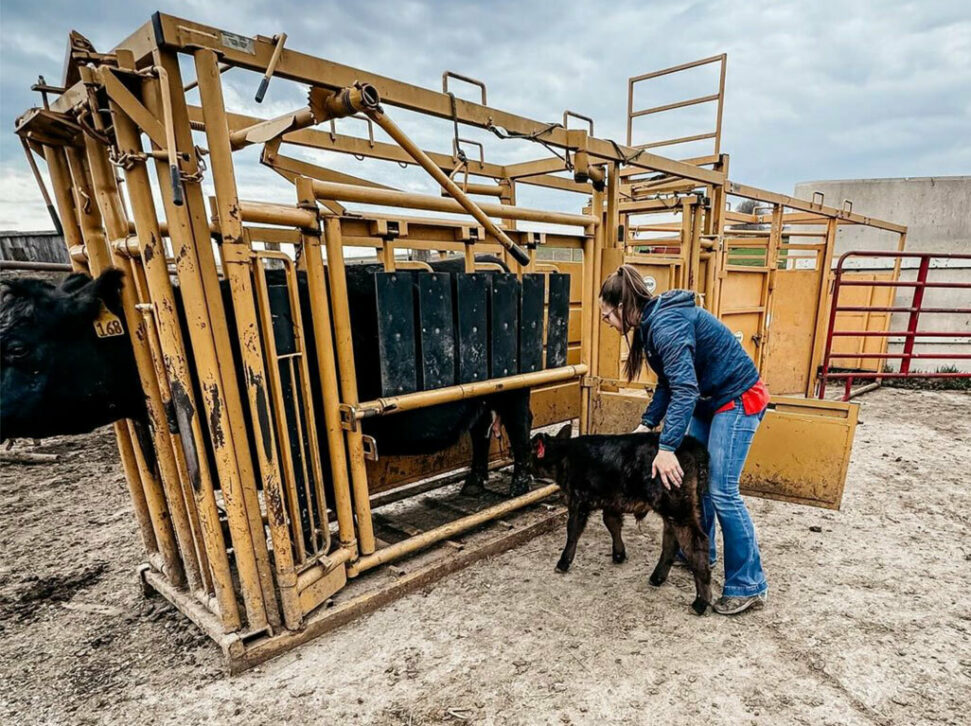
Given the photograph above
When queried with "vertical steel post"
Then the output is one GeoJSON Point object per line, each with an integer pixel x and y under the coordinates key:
{"type": "Point", "coordinates": [236, 257]}
{"type": "Point", "coordinates": [312, 261]}
{"type": "Point", "coordinates": [916, 303]}
{"type": "Point", "coordinates": [196, 268]}
{"type": "Point", "coordinates": [348, 377]}
{"type": "Point", "coordinates": [99, 259]}
{"type": "Point", "coordinates": [108, 202]}
{"type": "Point", "coordinates": [834, 304]}
{"type": "Point", "coordinates": [824, 316]}
{"type": "Point", "coordinates": [189, 426]}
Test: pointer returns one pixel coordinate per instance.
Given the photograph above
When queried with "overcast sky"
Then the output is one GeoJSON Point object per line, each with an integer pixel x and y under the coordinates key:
{"type": "Point", "coordinates": [821, 90]}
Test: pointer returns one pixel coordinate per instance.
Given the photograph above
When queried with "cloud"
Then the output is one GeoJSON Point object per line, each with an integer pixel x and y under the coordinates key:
{"type": "Point", "coordinates": [822, 90]}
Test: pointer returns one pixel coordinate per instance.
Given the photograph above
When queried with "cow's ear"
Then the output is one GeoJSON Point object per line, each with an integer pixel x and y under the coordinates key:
{"type": "Point", "coordinates": [74, 282]}
{"type": "Point", "coordinates": [86, 300]}
{"type": "Point", "coordinates": [565, 432]}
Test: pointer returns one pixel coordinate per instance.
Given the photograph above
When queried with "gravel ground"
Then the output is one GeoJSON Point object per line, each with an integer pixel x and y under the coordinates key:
{"type": "Point", "coordinates": [868, 618]}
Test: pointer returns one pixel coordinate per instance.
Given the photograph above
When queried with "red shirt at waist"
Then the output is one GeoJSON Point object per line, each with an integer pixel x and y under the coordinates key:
{"type": "Point", "coordinates": [754, 400]}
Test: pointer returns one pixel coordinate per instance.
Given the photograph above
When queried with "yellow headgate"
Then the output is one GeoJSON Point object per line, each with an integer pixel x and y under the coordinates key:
{"type": "Point", "coordinates": [267, 513]}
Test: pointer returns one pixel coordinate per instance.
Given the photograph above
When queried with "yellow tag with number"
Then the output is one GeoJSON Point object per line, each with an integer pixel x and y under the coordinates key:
{"type": "Point", "coordinates": [107, 324]}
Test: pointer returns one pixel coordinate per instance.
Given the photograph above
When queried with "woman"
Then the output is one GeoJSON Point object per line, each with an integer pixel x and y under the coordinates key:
{"type": "Point", "coordinates": [709, 388]}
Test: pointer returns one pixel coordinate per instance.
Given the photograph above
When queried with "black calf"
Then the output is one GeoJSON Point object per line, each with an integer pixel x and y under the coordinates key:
{"type": "Point", "coordinates": [613, 473]}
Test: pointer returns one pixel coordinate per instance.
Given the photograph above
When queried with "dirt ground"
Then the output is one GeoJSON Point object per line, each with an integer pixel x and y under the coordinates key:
{"type": "Point", "coordinates": [868, 618]}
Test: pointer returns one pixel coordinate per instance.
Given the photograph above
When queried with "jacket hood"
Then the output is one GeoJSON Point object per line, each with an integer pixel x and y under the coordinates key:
{"type": "Point", "coordinates": [667, 301]}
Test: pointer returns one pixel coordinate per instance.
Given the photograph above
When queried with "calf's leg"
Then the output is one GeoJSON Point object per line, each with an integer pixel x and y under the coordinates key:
{"type": "Point", "coordinates": [479, 473]}
{"type": "Point", "coordinates": [574, 527]}
{"type": "Point", "coordinates": [615, 521]}
{"type": "Point", "coordinates": [694, 544]}
{"type": "Point", "coordinates": [669, 548]}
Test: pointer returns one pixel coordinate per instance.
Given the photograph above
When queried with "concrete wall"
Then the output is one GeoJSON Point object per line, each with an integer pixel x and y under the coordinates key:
{"type": "Point", "coordinates": [937, 212]}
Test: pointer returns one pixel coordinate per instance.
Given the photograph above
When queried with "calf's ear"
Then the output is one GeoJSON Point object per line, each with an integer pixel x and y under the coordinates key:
{"type": "Point", "coordinates": [86, 299]}
{"type": "Point", "coordinates": [565, 432]}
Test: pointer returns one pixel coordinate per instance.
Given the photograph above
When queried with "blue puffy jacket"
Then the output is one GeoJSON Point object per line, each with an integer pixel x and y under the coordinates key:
{"type": "Point", "coordinates": [700, 365]}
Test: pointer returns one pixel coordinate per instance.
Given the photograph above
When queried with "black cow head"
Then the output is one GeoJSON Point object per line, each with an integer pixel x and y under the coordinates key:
{"type": "Point", "coordinates": [58, 375]}
{"type": "Point", "coordinates": [543, 458]}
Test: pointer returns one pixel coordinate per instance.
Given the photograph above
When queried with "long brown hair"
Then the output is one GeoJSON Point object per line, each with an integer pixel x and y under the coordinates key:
{"type": "Point", "coordinates": [626, 287]}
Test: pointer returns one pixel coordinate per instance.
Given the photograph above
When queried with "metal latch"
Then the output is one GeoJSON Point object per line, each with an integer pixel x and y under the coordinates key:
{"type": "Point", "coordinates": [348, 415]}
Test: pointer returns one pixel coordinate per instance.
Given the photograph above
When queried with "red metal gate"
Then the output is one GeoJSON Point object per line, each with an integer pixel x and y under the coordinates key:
{"type": "Point", "coordinates": [914, 312]}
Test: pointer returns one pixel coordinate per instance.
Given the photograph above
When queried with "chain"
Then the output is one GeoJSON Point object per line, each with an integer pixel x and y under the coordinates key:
{"type": "Point", "coordinates": [534, 136]}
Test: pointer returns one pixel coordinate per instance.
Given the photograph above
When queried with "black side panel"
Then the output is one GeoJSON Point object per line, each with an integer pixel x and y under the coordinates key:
{"type": "Point", "coordinates": [531, 323]}
{"type": "Point", "coordinates": [471, 326]}
{"type": "Point", "coordinates": [504, 326]}
{"type": "Point", "coordinates": [437, 330]}
{"type": "Point", "coordinates": [559, 316]}
{"type": "Point", "coordinates": [396, 332]}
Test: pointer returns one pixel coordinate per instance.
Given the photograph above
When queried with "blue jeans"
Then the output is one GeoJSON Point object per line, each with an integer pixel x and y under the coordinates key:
{"type": "Point", "coordinates": [728, 437]}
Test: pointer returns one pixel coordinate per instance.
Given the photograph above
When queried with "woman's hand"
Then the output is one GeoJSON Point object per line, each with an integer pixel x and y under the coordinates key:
{"type": "Point", "coordinates": [641, 429]}
{"type": "Point", "coordinates": [667, 467]}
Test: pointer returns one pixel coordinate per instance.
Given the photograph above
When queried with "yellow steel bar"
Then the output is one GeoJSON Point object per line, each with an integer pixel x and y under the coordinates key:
{"type": "Point", "coordinates": [312, 261]}
{"type": "Point", "coordinates": [715, 227]}
{"type": "Point", "coordinates": [464, 524]}
{"type": "Point", "coordinates": [237, 267]}
{"type": "Point", "coordinates": [610, 241]}
{"type": "Point", "coordinates": [684, 242]}
{"type": "Point", "coordinates": [292, 168]}
{"type": "Point", "coordinates": [587, 321]}
{"type": "Point", "coordinates": [186, 410]}
{"type": "Point", "coordinates": [337, 281]}
{"type": "Point", "coordinates": [223, 67]}
{"type": "Point", "coordinates": [676, 104]}
{"type": "Point", "coordinates": [281, 214]}
{"type": "Point", "coordinates": [721, 103]}
{"type": "Point", "coordinates": [822, 306]}
{"type": "Point", "coordinates": [139, 504]}
{"type": "Point", "coordinates": [507, 197]}
{"type": "Point", "coordinates": [303, 68]}
{"type": "Point", "coordinates": [677, 140]}
{"type": "Point", "coordinates": [694, 255]}
{"type": "Point", "coordinates": [342, 144]}
{"type": "Point", "coordinates": [196, 268]}
{"type": "Point", "coordinates": [361, 195]}
{"type": "Point", "coordinates": [422, 399]}
{"type": "Point", "coordinates": [99, 259]}
{"type": "Point", "coordinates": [675, 69]}
{"type": "Point", "coordinates": [762, 195]}
{"type": "Point", "coordinates": [395, 132]}
{"type": "Point", "coordinates": [131, 106]}
{"type": "Point", "coordinates": [768, 283]}
{"type": "Point", "coordinates": [255, 538]}
{"type": "Point", "coordinates": [61, 183]}
{"type": "Point", "coordinates": [107, 197]}
{"type": "Point", "coordinates": [135, 272]}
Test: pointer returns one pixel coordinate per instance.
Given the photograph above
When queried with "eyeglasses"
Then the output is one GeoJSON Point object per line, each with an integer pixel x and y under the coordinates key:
{"type": "Point", "coordinates": [606, 316]}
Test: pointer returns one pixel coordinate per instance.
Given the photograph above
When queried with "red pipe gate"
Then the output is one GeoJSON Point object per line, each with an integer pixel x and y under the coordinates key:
{"type": "Point", "coordinates": [914, 311]}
